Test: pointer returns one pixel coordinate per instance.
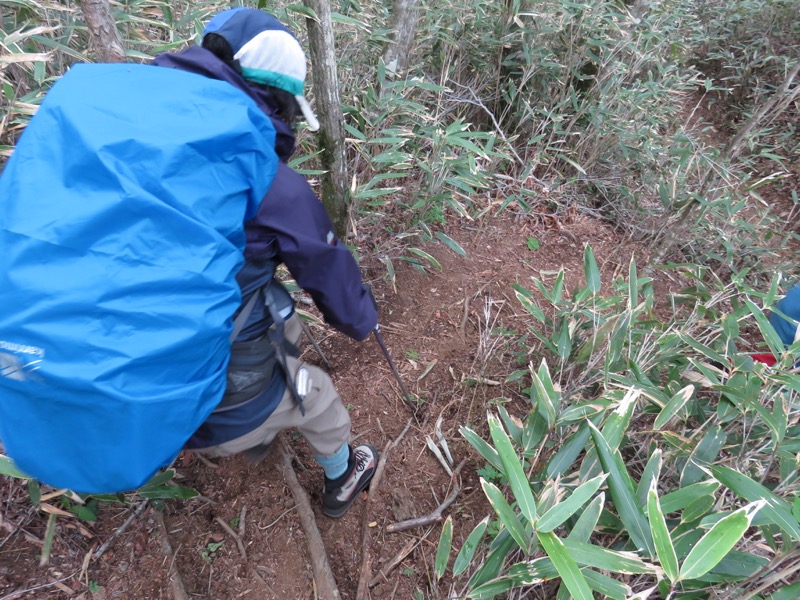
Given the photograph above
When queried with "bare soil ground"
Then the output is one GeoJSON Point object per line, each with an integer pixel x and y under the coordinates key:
{"type": "Point", "coordinates": [455, 335]}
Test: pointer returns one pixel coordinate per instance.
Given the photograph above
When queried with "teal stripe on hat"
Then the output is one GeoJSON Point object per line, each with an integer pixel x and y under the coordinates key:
{"type": "Point", "coordinates": [283, 82]}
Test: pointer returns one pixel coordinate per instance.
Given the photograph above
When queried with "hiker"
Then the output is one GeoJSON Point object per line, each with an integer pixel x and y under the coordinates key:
{"type": "Point", "coordinates": [268, 388]}
{"type": "Point", "coordinates": [141, 207]}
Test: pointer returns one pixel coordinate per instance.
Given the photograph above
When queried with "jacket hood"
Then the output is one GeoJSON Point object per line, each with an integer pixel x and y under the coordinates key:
{"type": "Point", "coordinates": [203, 62]}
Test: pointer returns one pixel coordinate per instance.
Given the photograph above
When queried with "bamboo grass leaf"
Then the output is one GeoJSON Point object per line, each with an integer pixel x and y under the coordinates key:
{"type": "Point", "coordinates": [633, 285]}
{"type": "Point", "coordinates": [49, 536]}
{"type": "Point", "coordinates": [568, 452]}
{"type": "Point", "coordinates": [704, 454]}
{"type": "Point", "coordinates": [590, 270]}
{"type": "Point", "coordinates": [589, 555]}
{"type": "Point", "coordinates": [506, 514]}
{"type": "Point", "coordinates": [467, 552]}
{"type": "Point", "coordinates": [676, 403]}
{"type": "Point", "coordinates": [451, 243]}
{"type": "Point", "coordinates": [586, 523]}
{"type": "Point", "coordinates": [771, 336]}
{"type": "Point", "coordinates": [7, 467]}
{"type": "Point", "coordinates": [566, 566]}
{"type": "Point", "coordinates": [789, 592]}
{"type": "Point", "coordinates": [718, 541]}
{"type": "Point", "coordinates": [424, 255]}
{"type": "Point", "coordinates": [501, 546]}
{"type": "Point", "coordinates": [680, 499]}
{"type": "Point", "coordinates": [650, 474]}
{"type": "Point", "coordinates": [526, 298]}
{"type": "Point", "coordinates": [304, 11]}
{"type": "Point", "coordinates": [661, 536]}
{"type": "Point", "coordinates": [622, 492]}
{"type": "Point", "coordinates": [443, 550]}
{"type": "Point", "coordinates": [777, 510]}
{"type": "Point", "coordinates": [483, 448]}
{"type": "Point", "coordinates": [568, 507]}
{"type": "Point", "coordinates": [607, 586]}
{"type": "Point", "coordinates": [513, 469]}
{"type": "Point", "coordinates": [546, 395]}
{"type": "Point", "coordinates": [513, 426]}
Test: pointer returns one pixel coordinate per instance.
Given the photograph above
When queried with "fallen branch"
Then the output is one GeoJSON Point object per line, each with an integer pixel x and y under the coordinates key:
{"type": "Point", "coordinates": [323, 575]}
{"type": "Point", "coordinates": [120, 530]}
{"type": "Point", "coordinates": [366, 561]}
{"type": "Point", "coordinates": [175, 579]}
{"type": "Point", "coordinates": [436, 515]}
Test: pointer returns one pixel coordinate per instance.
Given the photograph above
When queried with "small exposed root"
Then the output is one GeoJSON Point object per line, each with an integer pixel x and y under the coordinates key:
{"type": "Point", "coordinates": [323, 575]}
{"type": "Point", "coordinates": [175, 579]}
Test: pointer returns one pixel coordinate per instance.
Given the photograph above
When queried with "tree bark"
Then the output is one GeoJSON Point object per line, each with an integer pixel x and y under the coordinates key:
{"type": "Point", "coordinates": [103, 34]}
{"type": "Point", "coordinates": [403, 25]}
{"type": "Point", "coordinates": [335, 192]}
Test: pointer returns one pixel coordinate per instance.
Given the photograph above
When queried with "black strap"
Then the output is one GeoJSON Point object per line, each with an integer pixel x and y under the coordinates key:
{"type": "Point", "coordinates": [244, 314]}
{"type": "Point", "coordinates": [277, 338]}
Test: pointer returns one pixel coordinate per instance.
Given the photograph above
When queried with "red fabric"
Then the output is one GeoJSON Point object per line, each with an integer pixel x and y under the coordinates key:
{"type": "Point", "coordinates": [767, 359]}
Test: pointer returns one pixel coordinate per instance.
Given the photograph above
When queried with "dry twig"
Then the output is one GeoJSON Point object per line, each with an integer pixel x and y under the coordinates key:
{"type": "Point", "coordinates": [392, 564]}
{"type": "Point", "coordinates": [366, 561]}
{"type": "Point", "coordinates": [436, 515]}
{"type": "Point", "coordinates": [120, 530]}
{"type": "Point", "coordinates": [21, 593]}
{"type": "Point", "coordinates": [175, 579]}
{"type": "Point", "coordinates": [242, 515]}
{"type": "Point", "coordinates": [13, 528]}
{"type": "Point", "coordinates": [234, 535]}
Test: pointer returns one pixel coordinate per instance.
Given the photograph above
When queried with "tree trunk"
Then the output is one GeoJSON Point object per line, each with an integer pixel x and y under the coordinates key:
{"type": "Point", "coordinates": [335, 192]}
{"type": "Point", "coordinates": [103, 34]}
{"type": "Point", "coordinates": [403, 25]}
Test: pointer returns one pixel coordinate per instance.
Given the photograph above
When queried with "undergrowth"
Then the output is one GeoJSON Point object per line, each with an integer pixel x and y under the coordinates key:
{"type": "Point", "coordinates": [656, 458]}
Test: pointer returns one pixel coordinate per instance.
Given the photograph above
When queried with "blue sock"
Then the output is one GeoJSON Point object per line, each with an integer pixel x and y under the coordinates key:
{"type": "Point", "coordinates": [336, 465]}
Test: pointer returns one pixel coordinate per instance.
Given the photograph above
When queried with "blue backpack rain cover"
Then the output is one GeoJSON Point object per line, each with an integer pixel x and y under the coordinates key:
{"type": "Point", "coordinates": [121, 233]}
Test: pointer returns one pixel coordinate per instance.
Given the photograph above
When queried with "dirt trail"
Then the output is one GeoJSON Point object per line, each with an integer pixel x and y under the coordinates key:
{"type": "Point", "coordinates": [454, 336]}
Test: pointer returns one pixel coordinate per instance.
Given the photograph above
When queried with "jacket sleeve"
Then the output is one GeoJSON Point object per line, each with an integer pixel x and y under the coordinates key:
{"type": "Point", "coordinates": [292, 223]}
{"type": "Point", "coordinates": [790, 307]}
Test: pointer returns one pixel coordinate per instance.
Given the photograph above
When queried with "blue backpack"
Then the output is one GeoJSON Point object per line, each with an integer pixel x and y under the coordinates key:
{"type": "Point", "coordinates": [122, 215]}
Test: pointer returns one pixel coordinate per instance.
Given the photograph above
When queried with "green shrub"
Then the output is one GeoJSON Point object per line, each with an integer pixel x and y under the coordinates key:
{"type": "Point", "coordinates": [654, 453]}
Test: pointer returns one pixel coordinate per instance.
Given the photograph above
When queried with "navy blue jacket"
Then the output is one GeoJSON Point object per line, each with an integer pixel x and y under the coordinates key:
{"type": "Point", "coordinates": [292, 225]}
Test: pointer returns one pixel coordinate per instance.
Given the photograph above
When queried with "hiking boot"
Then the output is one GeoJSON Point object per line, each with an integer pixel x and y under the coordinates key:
{"type": "Point", "coordinates": [338, 494]}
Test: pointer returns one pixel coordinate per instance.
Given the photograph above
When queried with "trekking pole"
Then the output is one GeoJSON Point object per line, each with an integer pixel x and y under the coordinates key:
{"type": "Point", "coordinates": [406, 396]}
{"type": "Point", "coordinates": [307, 330]}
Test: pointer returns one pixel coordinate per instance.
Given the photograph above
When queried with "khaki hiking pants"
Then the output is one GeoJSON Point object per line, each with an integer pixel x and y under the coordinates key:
{"type": "Point", "coordinates": [326, 424]}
